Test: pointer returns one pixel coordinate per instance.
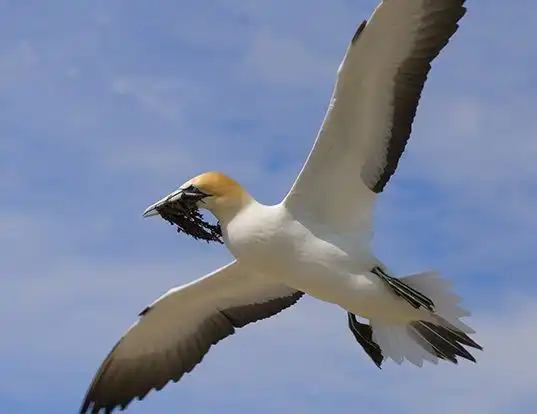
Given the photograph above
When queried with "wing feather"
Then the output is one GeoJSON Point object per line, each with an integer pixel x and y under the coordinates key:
{"type": "Point", "coordinates": [174, 333]}
{"type": "Point", "coordinates": [369, 119]}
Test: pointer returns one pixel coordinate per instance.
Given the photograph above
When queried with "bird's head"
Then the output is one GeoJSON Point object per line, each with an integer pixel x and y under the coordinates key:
{"type": "Point", "coordinates": [218, 193]}
{"type": "Point", "coordinates": [213, 191]}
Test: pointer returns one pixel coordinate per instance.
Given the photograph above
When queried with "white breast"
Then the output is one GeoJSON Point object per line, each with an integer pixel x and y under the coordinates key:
{"type": "Point", "coordinates": [262, 235]}
{"type": "Point", "coordinates": [270, 241]}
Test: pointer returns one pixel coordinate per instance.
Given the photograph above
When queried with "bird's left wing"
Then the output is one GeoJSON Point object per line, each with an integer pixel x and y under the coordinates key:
{"type": "Point", "coordinates": [175, 332]}
{"type": "Point", "coordinates": [370, 116]}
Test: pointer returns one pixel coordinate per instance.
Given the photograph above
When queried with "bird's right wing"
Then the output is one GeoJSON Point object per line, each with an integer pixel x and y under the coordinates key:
{"type": "Point", "coordinates": [369, 120]}
{"type": "Point", "coordinates": [175, 332]}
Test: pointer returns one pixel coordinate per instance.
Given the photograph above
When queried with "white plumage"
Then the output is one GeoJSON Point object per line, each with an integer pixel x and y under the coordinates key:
{"type": "Point", "coordinates": [317, 240]}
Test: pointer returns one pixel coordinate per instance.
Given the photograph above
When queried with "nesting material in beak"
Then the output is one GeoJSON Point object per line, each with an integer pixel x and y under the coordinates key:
{"type": "Point", "coordinates": [181, 210]}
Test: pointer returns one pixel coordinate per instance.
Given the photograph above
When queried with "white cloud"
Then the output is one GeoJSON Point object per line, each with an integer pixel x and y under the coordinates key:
{"type": "Point", "coordinates": [168, 98]}
{"type": "Point", "coordinates": [286, 62]}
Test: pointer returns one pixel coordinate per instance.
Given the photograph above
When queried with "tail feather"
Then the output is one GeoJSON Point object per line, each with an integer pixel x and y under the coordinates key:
{"type": "Point", "coordinates": [444, 343]}
{"type": "Point", "coordinates": [396, 344]}
{"type": "Point", "coordinates": [458, 335]}
{"type": "Point", "coordinates": [446, 302]}
{"type": "Point", "coordinates": [437, 335]}
{"type": "Point", "coordinates": [429, 353]}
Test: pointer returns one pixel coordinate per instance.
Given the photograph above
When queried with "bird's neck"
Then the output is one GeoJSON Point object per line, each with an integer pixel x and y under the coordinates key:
{"type": "Point", "coordinates": [226, 212]}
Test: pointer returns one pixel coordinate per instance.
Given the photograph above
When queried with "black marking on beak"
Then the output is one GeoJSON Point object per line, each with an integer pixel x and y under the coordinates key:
{"type": "Point", "coordinates": [192, 194]}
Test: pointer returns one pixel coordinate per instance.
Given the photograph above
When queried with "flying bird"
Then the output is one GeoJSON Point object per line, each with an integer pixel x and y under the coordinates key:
{"type": "Point", "coordinates": [317, 240]}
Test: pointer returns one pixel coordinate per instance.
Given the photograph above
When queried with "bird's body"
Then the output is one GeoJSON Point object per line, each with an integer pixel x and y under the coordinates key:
{"type": "Point", "coordinates": [271, 242]}
{"type": "Point", "coordinates": [317, 241]}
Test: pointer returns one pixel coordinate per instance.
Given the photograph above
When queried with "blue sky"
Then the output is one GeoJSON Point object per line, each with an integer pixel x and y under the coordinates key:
{"type": "Point", "coordinates": [107, 106]}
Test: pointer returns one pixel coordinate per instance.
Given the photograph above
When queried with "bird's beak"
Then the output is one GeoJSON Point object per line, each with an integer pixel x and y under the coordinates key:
{"type": "Point", "coordinates": [183, 197]}
{"type": "Point", "coordinates": [170, 198]}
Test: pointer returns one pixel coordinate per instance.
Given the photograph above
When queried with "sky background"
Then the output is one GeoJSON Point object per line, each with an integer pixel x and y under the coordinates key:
{"type": "Point", "coordinates": [106, 106]}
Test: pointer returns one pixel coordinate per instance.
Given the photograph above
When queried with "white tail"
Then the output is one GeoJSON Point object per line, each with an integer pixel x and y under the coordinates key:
{"type": "Point", "coordinates": [440, 335]}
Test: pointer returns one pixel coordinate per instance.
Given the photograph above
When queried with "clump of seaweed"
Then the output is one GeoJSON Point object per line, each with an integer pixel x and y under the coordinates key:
{"type": "Point", "coordinates": [189, 220]}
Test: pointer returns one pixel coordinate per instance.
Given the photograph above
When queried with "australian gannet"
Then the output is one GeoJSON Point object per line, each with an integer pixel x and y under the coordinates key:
{"type": "Point", "coordinates": [317, 240]}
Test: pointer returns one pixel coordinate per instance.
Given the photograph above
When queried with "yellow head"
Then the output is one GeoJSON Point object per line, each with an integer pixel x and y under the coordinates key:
{"type": "Point", "coordinates": [218, 186]}
{"type": "Point", "coordinates": [225, 196]}
{"type": "Point", "coordinates": [216, 192]}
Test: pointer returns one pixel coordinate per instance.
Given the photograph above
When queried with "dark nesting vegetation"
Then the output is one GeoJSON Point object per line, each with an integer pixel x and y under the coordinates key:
{"type": "Point", "coordinates": [190, 221]}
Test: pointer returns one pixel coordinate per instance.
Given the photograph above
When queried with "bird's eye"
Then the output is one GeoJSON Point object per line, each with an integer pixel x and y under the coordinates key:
{"type": "Point", "coordinates": [193, 190]}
